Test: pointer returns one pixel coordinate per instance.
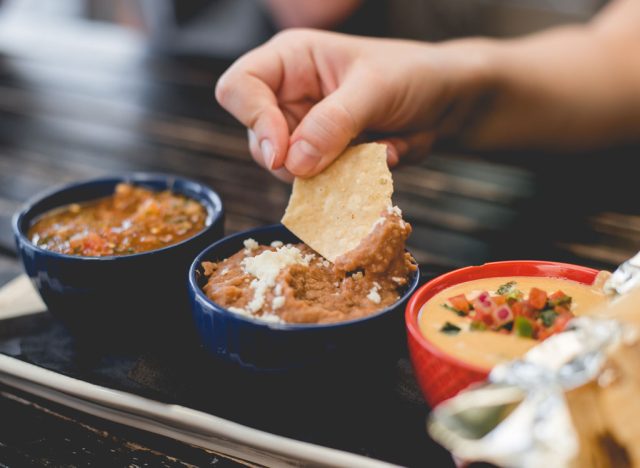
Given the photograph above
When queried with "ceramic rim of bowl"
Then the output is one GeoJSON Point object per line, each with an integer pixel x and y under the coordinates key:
{"type": "Point", "coordinates": [213, 205]}
{"type": "Point", "coordinates": [579, 274]}
{"type": "Point", "coordinates": [193, 284]}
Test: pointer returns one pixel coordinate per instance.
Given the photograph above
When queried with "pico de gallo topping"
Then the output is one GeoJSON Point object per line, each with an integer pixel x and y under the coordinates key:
{"type": "Point", "coordinates": [537, 316]}
{"type": "Point", "coordinates": [132, 220]}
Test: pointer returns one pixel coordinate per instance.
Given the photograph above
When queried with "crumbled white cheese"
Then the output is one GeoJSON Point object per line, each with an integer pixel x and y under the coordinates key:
{"type": "Point", "coordinates": [394, 210]}
{"type": "Point", "coordinates": [475, 293]}
{"type": "Point", "coordinates": [326, 263]}
{"type": "Point", "coordinates": [277, 302]}
{"type": "Point", "coordinates": [250, 245]}
{"type": "Point", "coordinates": [272, 318]}
{"type": "Point", "coordinates": [224, 271]}
{"type": "Point", "coordinates": [378, 222]}
{"type": "Point", "coordinates": [276, 244]}
{"type": "Point", "coordinates": [278, 290]}
{"type": "Point", "coordinates": [265, 267]}
{"type": "Point", "coordinates": [373, 295]}
{"type": "Point", "coordinates": [397, 279]}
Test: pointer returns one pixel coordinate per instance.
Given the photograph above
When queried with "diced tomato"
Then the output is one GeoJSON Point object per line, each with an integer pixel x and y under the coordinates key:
{"type": "Point", "coordinates": [92, 244]}
{"type": "Point", "coordinates": [517, 308]}
{"type": "Point", "coordinates": [500, 300]}
{"type": "Point", "coordinates": [559, 298]}
{"type": "Point", "coordinates": [559, 325]}
{"type": "Point", "coordinates": [522, 309]}
{"type": "Point", "coordinates": [544, 333]}
{"type": "Point", "coordinates": [484, 316]}
{"type": "Point", "coordinates": [507, 314]}
{"type": "Point", "coordinates": [557, 295]}
{"type": "Point", "coordinates": [537, 298]}
{"type": "Point", "coordinates": [487, 319]}
{"type": "Point", "coordinates": [460, 302]}
{"type": "Point", "coordinates": [561, 321]}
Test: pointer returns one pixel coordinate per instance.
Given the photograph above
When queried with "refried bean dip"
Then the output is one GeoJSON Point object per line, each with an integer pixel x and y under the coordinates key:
{"type": "Point", "coordinates": [291, 283]}
{"type": "Point", "coordinates": [132, 220]}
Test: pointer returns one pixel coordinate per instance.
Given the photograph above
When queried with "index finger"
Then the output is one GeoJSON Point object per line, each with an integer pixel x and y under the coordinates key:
{"type": "Point", "coordinates": [247, 91]}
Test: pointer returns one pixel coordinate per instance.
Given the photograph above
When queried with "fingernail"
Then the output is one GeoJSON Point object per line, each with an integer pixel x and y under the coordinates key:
{"type": "Point", "coordinates": [268, 153]}
{"type": "Point", "coordinates": [252, 137]}
{"type": "Point", "coordinates": [303, 157]}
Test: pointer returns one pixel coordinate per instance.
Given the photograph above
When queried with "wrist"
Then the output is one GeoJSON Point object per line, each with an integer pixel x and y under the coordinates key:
{"type": "Point", "coordinates": [474, 72]}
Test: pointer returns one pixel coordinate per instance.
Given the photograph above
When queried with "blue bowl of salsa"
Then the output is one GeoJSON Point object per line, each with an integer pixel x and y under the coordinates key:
{"type": "Point", "coordinates": [261, 346]}
{"type": "Point", "coordinates": [119, 292]}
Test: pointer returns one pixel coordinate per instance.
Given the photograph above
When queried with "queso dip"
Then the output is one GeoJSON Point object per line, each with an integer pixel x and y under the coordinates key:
{"type": "Point", "coordinates": [458, 330]}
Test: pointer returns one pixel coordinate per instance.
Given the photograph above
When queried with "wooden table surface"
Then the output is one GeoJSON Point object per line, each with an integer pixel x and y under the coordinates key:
{"type": "Point", "coordinates": [80, 101]}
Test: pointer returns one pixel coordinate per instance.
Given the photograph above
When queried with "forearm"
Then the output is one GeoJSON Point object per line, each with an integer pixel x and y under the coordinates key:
{"type": "Point", "coordinates": [567, 89]}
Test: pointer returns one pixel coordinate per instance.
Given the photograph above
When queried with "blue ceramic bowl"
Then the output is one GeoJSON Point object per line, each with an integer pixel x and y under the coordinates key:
{"type": "Point", "coordinates": [273, 347]}
{"type": "Point", "coordinates": [122, 292]}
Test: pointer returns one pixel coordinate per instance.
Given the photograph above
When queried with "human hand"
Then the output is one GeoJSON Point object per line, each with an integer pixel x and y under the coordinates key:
{"type": "Point", "coordinates": [305, 95]}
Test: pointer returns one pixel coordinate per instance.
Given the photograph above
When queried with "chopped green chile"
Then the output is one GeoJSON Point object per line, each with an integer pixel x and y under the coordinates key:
{"type": "Point", "coordinates": [509, 311]}
{"type": "Point", "coordinates": [559, 302]}
{"type": "Point", "coordinates": [522, 327]}
{"type": "Point", "coordinates": [450, 329]}
{"type": "Point", "coordinates": [461, 313]}
{"type": "Point", "coordinates": [548, 317]}
{"type": "Point", "coordinates": [506, 288]}
{"type": "Point", "coordinates": [476, 325]}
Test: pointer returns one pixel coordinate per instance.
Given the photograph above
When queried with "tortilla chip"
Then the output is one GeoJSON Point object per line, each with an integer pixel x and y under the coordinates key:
{"type": "Point", "coordinates": [334, 210]}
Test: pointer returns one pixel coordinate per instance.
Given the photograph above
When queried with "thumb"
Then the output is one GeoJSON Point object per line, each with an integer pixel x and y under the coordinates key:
{"type": "Point", "coordinates": [327, 129]}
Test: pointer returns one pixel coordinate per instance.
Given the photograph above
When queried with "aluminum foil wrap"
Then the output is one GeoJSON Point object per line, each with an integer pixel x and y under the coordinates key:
{"type": "Point", "coordinates": [625, 278]}
{"type": "Point", "coordinates": [519, 417]}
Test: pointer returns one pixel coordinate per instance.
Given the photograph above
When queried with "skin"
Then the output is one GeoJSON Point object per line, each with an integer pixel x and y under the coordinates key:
{"type": "Point", "coordinates": [310, 13]}
{"type": "Point", "coordinates": [306, 94]}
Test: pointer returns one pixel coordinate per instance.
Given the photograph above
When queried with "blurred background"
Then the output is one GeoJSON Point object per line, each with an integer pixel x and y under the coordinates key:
{"type": "Point", "coordinates": [93, 87]}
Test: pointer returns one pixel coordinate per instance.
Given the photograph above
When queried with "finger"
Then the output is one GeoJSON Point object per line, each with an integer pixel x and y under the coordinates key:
{"type": "Point", "coordinates": [394, 147]}
{"type": "Point", "coordinates": [282, 173]}
{"type": "Point", "coordinates": [329, 127]}
{"type": "Point", "coordinates": [408, 148]}
{"type": "Point", "coordinates": [246, 91]}
{"type": "Point", "coordinates": [418, 147]}
{"type": "Point", "coordinates": [294, 112]}
{"type": "Point", "coordinates": [254, 149]}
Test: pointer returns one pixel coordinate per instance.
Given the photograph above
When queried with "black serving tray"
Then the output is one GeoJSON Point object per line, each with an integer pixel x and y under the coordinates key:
{"type": "Point", "coordinates": [370, 410]}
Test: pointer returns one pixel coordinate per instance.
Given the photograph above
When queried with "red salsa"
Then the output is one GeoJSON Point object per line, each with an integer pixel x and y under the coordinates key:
{"type": "Point", "coordinates": [132, 220]}
{"type": "Point", "coordinates": [508, 311]}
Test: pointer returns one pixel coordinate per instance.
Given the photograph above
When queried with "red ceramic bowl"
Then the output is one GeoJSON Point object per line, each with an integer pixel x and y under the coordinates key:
{"type": "Point", "coordinates": [442, 376]}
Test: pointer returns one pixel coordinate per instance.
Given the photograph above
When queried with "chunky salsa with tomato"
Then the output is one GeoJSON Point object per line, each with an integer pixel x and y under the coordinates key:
{"type": "Point", "coordinates": [508, 311]}
{"type": "Point", "coordinates": [492, 320]}
{"type": "Point", "coordinates": [132, 220]}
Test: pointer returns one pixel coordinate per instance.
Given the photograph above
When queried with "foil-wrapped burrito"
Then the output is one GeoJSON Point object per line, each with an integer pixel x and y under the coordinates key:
{"type": "Point", "coordinates": [573, 400]}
